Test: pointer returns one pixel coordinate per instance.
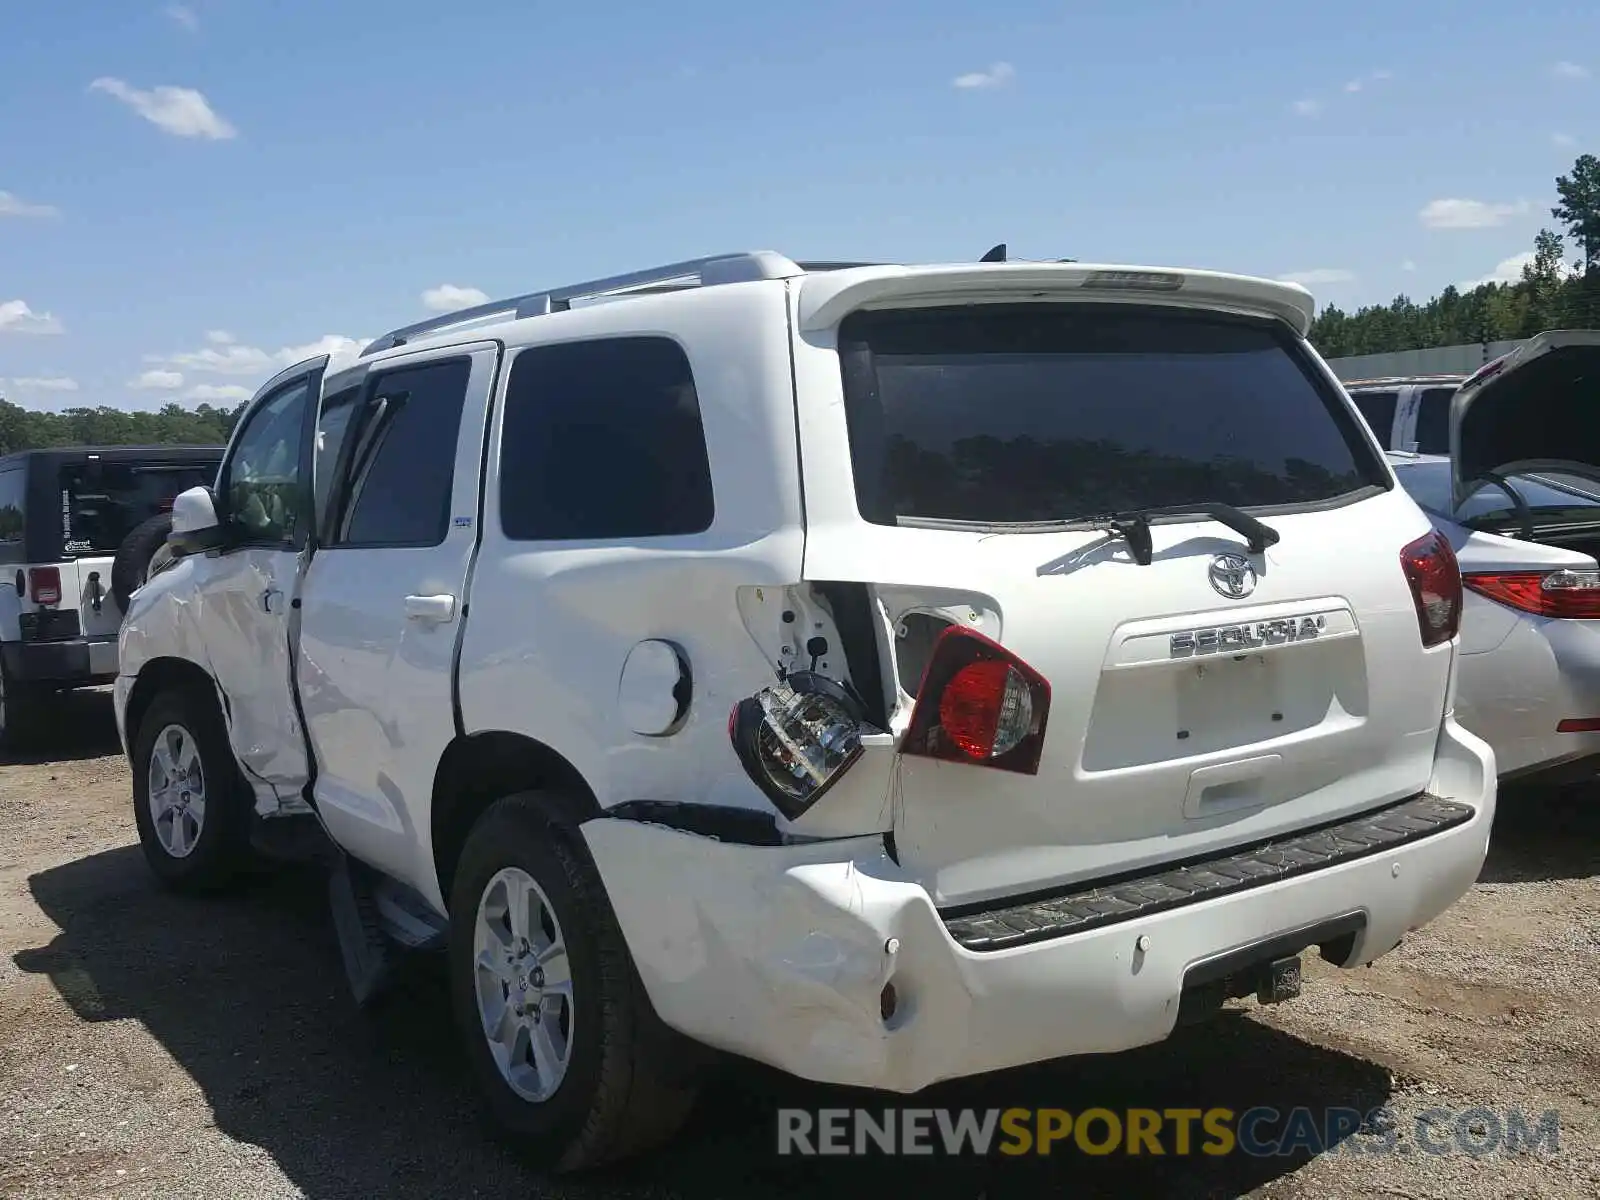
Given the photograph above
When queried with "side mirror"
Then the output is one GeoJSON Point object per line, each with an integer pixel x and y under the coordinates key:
{"type": "Point", "coordinates": [195, 527]}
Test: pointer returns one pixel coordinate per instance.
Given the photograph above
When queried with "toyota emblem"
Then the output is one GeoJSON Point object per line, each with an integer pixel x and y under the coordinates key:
{"type": "Point", "coordinates": [1232, 576]}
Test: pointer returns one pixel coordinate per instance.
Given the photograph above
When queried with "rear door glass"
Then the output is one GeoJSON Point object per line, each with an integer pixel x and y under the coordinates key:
{"type": "Point", "coordinates": [1433, 420]}
{"type": "Point", "coordinates": [12, 489]}
{"type": "Point", "coordinates": [996, 415]}
{"type": "Point", "coordinates": [1378, 410]}
{"type": "Point", "coordinates": [101, 503]}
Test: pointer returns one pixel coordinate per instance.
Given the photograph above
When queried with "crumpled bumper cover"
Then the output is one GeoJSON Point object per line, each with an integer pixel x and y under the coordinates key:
{"type": "Point", "coordinates": [782, 953]}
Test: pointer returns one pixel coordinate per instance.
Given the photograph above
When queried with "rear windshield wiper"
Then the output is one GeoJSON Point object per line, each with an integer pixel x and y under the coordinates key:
{"type": "Point", "coordinates": [1134, 527]}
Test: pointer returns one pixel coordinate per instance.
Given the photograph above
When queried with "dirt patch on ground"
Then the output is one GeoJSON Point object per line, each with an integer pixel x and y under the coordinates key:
{"type": "Point", "coordinates": [160, 1047]}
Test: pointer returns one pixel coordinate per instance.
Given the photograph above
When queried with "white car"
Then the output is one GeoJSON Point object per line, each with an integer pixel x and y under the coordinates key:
{"type": "Point", "coordinates": [887, 673]}
{"type": "Point", "coordinates": [1523, 515]}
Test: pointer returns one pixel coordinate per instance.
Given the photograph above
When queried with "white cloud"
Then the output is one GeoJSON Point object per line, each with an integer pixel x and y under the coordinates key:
{"type": "Point", "coordinates": [182, 112]}
{"type": "Point", "coordinates": [1565, 141]}
{"type": "Point", "coordinates": [1355, 85]}
{"type": "Point", "coordinates": [230, 360]}
{"type": "Point", "coordinates": [227, 356]}
{"type": "Point", "coordinates": [341, 351]}
{"type": "Point", "coordinates": [1319, 275]}
{"type": "Point", "coordinates": [45, 383]}
{"type": "Point", "coordinates": [232, 393]}
{"type": "Point", "coordinates": [1408, 265]}
{"type": "Point", "coordinates": [159, 379]}
{"type": "Point", "coordinates": [1307, 108]}
{"type": "Point", "coordinates": [449, 297]}
{"type": "Point", "coordinates": [17, 317]}
{"type": "Point", "coordinates": [1509, 270]}
{"type": "Point", "coordinates": [183, 16]}
{"type": "Point", "coordinates": [996, 76]}
{"type": "Point", "coordinates": [1569, 70]}
{"type": "Point", "coordinates": [12, 205]}
{"type": "Point", "coordinates": [1470, 214]}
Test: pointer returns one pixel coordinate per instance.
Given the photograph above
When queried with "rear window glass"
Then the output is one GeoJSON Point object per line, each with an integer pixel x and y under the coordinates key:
{"type": "Point", "coordinates": [101, 503]}
{"type": "Point", "coordinates": [1378, 410]}
{"type": "Point", "coordinates": [1037, 413]}
{"type": "Point", "coordinates": [11, 495]}
{"type": "Point", "coordinates": [1546, 494]}
{"type": "Point", "coordinates": [1433, 421]}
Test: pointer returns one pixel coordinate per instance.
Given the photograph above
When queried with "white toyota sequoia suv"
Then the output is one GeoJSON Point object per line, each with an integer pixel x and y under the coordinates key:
{"type": "Point", "coordinates": [886, 673]}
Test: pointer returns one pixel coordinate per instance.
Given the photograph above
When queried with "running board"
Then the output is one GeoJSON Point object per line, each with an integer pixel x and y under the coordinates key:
{"type": "Point", "coordinates": [378, 921]}
{"type": "Point", "coordinates": [1107, 902]}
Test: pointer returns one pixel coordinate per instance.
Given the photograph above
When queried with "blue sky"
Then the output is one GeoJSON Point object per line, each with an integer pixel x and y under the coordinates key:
{"type": "Point", "coordinates": [192, 195]}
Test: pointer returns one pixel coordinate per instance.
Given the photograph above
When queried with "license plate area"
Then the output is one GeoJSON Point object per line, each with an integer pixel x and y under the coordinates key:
{"type": "Point", "coordinates": [1194, 707]}
{"type": "Point", "coordinates": [1222, 702]}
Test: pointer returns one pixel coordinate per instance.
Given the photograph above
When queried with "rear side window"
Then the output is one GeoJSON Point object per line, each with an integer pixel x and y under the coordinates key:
{"type": "Point", "coordinates": [1433, 421]}
{"type": "Point", "coordinates": [603, 440]}
{"type": "Point", "coordinates": [1378, 410]}
{"type": "Point", "coordinates": [1044, 413]}
{"type": "Point", "coordinates": [405, 470]}
{"type": "Point", "coordinates": [12, 488]}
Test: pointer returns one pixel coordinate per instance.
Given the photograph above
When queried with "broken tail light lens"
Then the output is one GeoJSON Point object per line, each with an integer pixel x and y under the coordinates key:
{"type": "Point", "coordinates": [979, 703]}
{"type": "Point", "coordinates": [44, 585]}
{"type": "Point", "coordinates": [1435, 577]}
{"type": "Point", "coordinates": [795, 738]}
{"type": "Point", "coordinates": [1571, 594]}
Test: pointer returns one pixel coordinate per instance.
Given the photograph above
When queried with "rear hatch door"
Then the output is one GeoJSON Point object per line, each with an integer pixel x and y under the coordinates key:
{"type": "Point", "coordinates": [952, 448]}
{"type": "Point", "coordinates": [102, 501]}
{"type": "Point", "coordinates": [1535, 408]}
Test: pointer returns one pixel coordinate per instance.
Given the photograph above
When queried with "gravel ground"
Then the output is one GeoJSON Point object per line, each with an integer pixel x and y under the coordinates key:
{"type": "Point", "coordinates": [159, 1047]}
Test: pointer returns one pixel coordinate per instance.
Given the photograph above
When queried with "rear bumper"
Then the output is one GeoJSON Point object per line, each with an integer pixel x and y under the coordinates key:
{"type": "Point", "coordinates": [79, 660]}
{"type": "Point", "coordinates": [781, 954]}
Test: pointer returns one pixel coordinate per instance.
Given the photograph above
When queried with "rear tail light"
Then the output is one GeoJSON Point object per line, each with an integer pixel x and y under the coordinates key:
{"type": "Point", "coordinates": [795, 738]}
{"type": "Point", "coordinates": [979, 703]}
{"type": "Point", "coordinates": [1435, 577]}
{"type": "Point", "coordinates": [1564, 593]}
{"type": "Point", "coordinates": [44, 585]}
{"type": "Point", "coordinates": [1578, 725]}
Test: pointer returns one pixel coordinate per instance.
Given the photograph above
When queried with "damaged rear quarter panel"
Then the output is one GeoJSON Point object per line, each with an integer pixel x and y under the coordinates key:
{"type": "Point", "coordinates": [746, 948]}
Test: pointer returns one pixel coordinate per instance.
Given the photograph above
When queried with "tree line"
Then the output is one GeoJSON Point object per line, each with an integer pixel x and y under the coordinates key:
{"type": "Point", "coordinates": [1551, 294]}
{"type": "Point", "coordinates": [171, 425]}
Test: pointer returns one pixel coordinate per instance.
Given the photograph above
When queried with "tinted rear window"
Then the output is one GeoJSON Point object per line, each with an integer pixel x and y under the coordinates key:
{"type": "Point", "coordinates": [1378, 410]}
{"type": "Point", "coordinates": [1008, 414]}
{"type": "Point", "coordinates": [1433, 421]}
{"type": "Point", "coordinates": [102, 503]}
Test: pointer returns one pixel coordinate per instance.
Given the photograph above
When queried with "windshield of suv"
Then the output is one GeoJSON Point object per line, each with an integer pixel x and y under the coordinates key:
{"type": "Point", "coordinates": [1428, 483]}
{"type": "Point", "coordinates": [101, 504]}
{"type": "Point", "coordinates": [997, 415]}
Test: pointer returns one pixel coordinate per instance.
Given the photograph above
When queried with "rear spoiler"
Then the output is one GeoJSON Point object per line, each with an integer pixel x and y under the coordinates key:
{"type": "Point", "coordinates": [825, 299]}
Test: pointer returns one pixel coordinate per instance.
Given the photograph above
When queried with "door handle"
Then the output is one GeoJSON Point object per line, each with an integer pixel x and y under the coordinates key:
{"type": "Point", "coordinates": [431, 608]}
{"type": "Point", "coordinates": [269, 600]}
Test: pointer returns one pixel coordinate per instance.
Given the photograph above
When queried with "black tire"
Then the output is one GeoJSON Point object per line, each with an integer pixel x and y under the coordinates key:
{"type": "Point", "coordinates": [133, 556]}
{"type": "Point", "coordinates": [19, 711]}
{"type": "Point", "coordinates": [620, 1095]}
{"type": "Point", "coordinates": [221, 851]}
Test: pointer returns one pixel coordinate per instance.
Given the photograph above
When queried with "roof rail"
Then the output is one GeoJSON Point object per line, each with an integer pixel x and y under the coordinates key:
{"type": "Point", "coordinates": [742, 267]}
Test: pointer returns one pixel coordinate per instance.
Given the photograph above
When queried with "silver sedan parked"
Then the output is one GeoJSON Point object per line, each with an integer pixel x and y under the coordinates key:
{"type": "Point", "coordinates": [1519, 500]}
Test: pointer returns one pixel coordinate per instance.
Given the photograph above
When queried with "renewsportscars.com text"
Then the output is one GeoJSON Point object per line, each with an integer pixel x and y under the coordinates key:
{"type": "Point", "coordinates": [1215, 1132]}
